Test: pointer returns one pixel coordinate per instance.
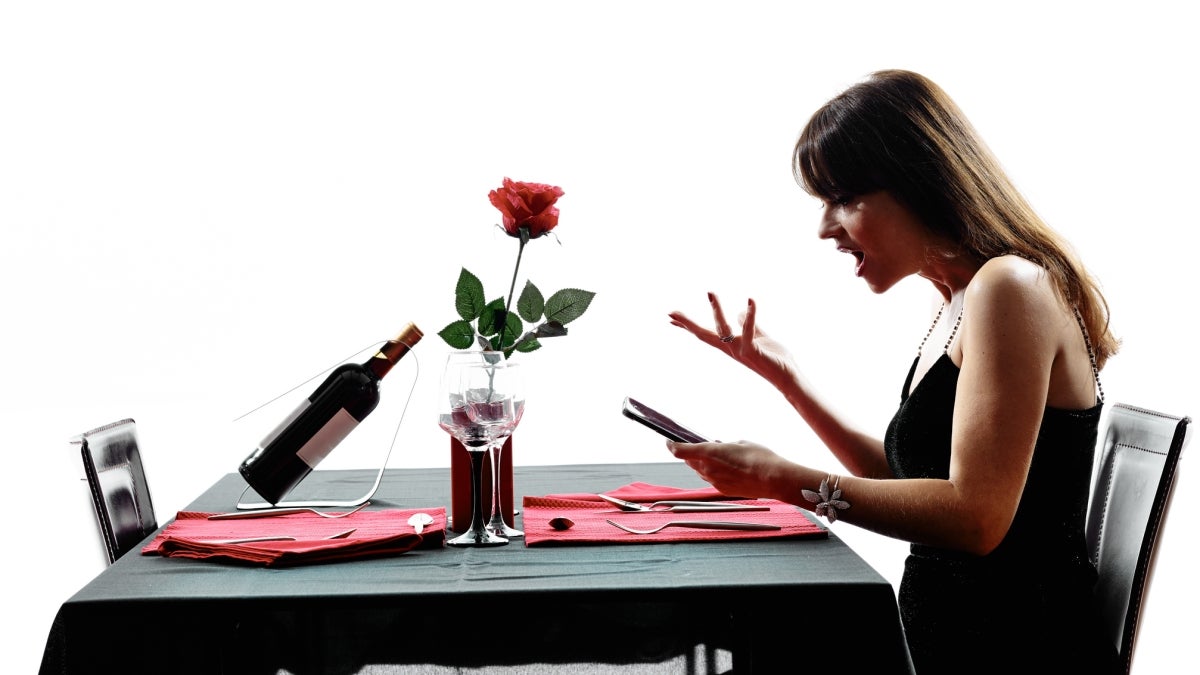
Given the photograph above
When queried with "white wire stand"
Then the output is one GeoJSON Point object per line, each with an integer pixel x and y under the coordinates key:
{"type": "Point", "coordinates": [337, 503]}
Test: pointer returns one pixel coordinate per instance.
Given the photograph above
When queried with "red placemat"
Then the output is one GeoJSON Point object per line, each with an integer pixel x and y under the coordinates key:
{"type": "Point", "coordinates": [589, 518]}
{"type": "Point", "coordinates": [376, 533]}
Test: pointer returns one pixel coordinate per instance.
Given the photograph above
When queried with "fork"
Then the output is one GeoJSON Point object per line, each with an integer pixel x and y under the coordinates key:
{"type": "Point", "coordinates": [701, 524]}
{"type": "Point", "coordinates": [268, 513]}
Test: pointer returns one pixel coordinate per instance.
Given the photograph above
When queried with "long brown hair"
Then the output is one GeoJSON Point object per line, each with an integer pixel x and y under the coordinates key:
{"type": "Point", "coordinates": [900, 132]}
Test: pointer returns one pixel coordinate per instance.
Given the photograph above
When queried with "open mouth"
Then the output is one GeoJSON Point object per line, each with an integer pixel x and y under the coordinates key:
{"type": "Point", "coordinates": [859, 257]}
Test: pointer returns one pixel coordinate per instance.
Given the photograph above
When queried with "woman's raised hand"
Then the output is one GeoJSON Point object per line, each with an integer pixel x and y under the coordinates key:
{"type": "Point", "coordinates": [746, 344]}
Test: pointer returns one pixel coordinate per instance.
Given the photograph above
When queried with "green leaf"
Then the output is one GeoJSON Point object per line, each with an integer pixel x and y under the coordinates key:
{"type": "Point", "coordinates": [512, 329]}
{"type": "Point", "coordinates": [458, 335]}
{"type": "Point", "coordinates": [489, 324]}
{"type": "Point", "coordinates": [526, 343]}
{"type": "Point", "coordinates": [489, 317]}
{"type": "Point", "coordinates": [529, 345]}
{"type": "Point", "coordinates": [468, 295]}
{"type": "Point", "coordinates": [531, 305]}
{"type": "Point", "coordinates": [568, 304]}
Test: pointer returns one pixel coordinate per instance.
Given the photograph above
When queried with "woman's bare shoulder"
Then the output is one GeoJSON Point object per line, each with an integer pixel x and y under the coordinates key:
{"type": "Point", "coordinates": [1012, 300]}
{"type": "Point", "coordinates": [1013, 282]}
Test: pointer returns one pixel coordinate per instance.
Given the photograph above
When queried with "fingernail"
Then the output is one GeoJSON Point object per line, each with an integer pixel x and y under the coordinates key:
{"type": "Point", "coordinates": [711, 297]}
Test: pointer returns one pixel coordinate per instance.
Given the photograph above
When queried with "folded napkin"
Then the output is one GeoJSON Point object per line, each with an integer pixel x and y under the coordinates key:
{"type": "Point", "coordinates": [589, 513]}
{"type": "Point", "coordinates": [376, 534]}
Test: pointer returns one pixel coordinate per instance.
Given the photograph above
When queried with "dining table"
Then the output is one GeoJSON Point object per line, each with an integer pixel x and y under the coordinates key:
{"type": "Point", "coordinates": [777, 605]}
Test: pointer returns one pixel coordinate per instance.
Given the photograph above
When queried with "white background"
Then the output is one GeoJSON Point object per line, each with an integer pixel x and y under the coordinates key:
{"type": "Point", "coordinates": [205, 204]}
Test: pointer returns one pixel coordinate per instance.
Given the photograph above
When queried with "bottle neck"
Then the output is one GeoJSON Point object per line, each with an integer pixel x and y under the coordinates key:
{"type": "Point", "coordinates": [392, 351]}
{"type": "Point", "coordinates": [387, 356]}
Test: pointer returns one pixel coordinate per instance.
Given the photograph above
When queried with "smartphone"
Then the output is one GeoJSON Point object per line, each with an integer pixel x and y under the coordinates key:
{"type": "Point", "coordinates": [659, 422]}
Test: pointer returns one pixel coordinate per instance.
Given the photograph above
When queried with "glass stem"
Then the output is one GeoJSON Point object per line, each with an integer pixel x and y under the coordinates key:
{"type": "Point", "coordinates": [497, 521]}
{"type": "Point", "coordinates": [477, 526]}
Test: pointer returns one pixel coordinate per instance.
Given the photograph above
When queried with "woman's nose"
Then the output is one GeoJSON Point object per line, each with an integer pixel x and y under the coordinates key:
{"type": "Point", "coordinates": [827, 228]}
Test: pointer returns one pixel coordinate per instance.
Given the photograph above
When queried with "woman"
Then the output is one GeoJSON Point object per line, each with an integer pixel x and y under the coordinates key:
{"type": "Point", "coordinates": [985, 467]}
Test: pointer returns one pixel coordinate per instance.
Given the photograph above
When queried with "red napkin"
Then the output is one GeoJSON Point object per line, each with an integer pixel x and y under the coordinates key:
{"type": "Point", "coordinates": [376, 533]}
{"type": "Point", "coordinates": [589, 513]}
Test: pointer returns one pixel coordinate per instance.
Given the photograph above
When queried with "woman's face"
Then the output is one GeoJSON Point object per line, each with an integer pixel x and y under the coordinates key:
{"type": "Point", "coordinates": [886, 239]}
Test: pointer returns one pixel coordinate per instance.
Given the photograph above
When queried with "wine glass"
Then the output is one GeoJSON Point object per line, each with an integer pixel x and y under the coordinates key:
{"type": "Point", "coordinates": [515, 386]}
{"type": "Point", "coordinates": [470, 382]}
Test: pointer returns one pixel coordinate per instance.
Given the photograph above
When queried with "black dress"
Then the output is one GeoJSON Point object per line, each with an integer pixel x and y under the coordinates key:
{"type": "Point", "coordinates": [1027, 605]}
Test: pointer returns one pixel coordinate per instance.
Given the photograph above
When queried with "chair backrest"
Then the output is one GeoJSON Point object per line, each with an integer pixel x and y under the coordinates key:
{"type": "Point", "coordinates": [1136, 465]}
{"type": "Point", "coordinates": [120, 493]}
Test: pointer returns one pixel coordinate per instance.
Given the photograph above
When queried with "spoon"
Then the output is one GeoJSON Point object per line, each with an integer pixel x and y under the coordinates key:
{"type": "Point", "coordinates": [419, 521]}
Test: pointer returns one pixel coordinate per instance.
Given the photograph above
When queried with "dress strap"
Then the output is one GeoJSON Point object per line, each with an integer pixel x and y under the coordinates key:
{"type": "Point", "coordinates": [929, 332]}
{"type": "Point", "coordinates": [1078, 317]}
{"type": "Point", "coordinates": [1087, 340]}
{"type": "Point", "coordinates": [953, 331]}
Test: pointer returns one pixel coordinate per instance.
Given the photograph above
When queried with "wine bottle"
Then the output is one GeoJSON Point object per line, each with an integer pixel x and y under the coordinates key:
{"type": "Point", "coordinates": [304, 438]}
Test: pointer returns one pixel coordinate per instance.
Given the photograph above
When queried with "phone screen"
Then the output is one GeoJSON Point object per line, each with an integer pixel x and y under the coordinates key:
{"type": "Point", "coordinates": [659, 422]}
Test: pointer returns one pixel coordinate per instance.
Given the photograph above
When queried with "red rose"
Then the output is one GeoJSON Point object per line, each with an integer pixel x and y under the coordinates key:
{"type": "Point", "coordinates": [527, 205]}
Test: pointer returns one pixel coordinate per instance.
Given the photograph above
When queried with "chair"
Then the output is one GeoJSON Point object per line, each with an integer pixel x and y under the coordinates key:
{"type": "Point", "coordinates": [120, 493]}
{"type": "Point", "coordinates": [1134, 476]}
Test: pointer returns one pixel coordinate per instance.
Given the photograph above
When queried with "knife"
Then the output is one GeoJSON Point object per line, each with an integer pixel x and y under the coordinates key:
{"type": "Point", "coordinates": [284, 511]}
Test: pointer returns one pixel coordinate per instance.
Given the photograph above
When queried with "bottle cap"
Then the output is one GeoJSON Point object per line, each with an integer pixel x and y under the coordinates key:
{"type": "Point", "coordinates": [410, 335]}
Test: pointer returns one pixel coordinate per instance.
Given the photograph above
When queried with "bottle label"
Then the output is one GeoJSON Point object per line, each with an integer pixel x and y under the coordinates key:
{"type": "Point", "coordinates": [337, 428]}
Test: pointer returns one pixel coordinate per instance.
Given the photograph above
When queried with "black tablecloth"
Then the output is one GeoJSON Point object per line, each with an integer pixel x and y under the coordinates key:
{"type": "Point", "coordinates": [813, 605]}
